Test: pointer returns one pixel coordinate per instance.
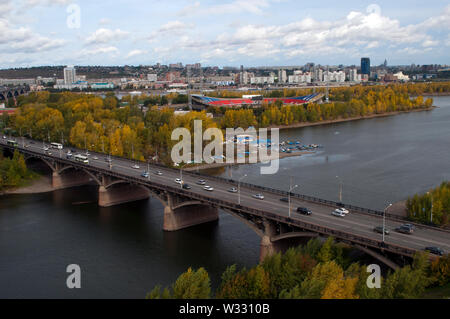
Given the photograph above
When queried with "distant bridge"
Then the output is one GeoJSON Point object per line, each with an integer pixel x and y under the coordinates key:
{"type": "Point", "coordinates": [269, 218]}
{"type": "Point", "coordinates": [7, 93]}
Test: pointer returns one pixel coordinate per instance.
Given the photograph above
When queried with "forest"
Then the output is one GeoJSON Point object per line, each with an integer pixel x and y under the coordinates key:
{"type": "Point", "coordinates": [313, 271]}
{"type": "Point", "coordinates": [432, 207]}
{"type": "Point", "coordinates": [13, 171]}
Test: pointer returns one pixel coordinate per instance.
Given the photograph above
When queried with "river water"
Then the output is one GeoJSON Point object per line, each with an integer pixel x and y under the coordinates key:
{"type": "Point", "coordinates": [123, 252]}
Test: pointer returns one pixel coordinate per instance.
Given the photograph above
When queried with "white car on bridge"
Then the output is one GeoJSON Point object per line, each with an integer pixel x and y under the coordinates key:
{"type": "Point", "coordinates": [338, 213]}
{"type": "Point", "coordinates": [343, 210]}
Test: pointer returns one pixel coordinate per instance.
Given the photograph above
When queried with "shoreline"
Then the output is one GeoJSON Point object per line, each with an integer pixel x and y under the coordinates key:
{"type": "Point", "coordinates": [40, 185]}
{"type": "Point", "coordinates": [218, 165]}
{"type": "Point", "coordinates": [348, 119]}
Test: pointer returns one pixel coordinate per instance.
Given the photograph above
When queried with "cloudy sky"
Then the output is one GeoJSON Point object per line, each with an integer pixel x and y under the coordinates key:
{"type": "Point", "coordinates": [223, 33]}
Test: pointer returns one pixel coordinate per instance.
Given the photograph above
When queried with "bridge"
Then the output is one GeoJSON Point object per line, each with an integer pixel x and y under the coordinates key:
{"type": "Point", "coordinates": [7, 93]}
{"type": "Point", "coordinates": [269, 218]}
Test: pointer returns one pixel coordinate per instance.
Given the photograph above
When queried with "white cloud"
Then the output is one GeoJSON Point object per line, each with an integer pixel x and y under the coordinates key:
{"type": "Point", "coordinates": [31, 3]}
{"type": "Point", "coordinates": [133, 53]}
{"type": "Point", "coordinates": [24, 40]}
{"type": "Point", "coordinates": [104, 35]}
{"type": "Point", "coordinates": [111, 50]}
{"type": "Point", "coordinates": [356, 34]}
{"type": "Point", "coordinates": [171, 28]}
{"type": "Point", "coordinates": [104, 21]}
{"type": "Point", "coordinates": [237, 6]}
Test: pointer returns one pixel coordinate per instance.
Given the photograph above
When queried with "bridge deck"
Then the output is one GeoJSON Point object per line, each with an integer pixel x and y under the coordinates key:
{"type": "Point", "coordinates": [356, 227]}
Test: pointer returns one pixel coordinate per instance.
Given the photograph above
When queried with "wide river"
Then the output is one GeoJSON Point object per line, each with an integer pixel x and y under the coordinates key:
{"type": "Point", "coordinates": [123, 252]}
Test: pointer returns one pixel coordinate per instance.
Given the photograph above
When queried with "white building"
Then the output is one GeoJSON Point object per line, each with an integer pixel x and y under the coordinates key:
{"type": "Point", "coordinates": [300, 77]}
{"type": "Point", "coordinates": [17, 81]}
{"type": "Point", "coordinates": [353, 76]}
{"type": "Point", "coordinates": [262, 80]}
{"type": "Point", "coordinates": [282, 77]}
{"type": "Point", "coordinates": [69, 75]}
{"type": "Point", "coordinates": [318, 75]}
{"type": "Point", "coordinates": [402, 77]}
{"type": "Point", "coordinates": [152, 77]}
{"type": "Point", "coordinates": [335, 76]}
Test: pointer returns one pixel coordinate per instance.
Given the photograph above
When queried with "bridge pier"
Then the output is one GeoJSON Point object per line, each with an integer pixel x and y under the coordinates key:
{"type": "Point", "coordinates": [267, 247]}
{"type": "Point", "coordinates": [69, 179]}
{"type": "Point", "coordinates": [120, 194]}
{"type": "Point", "coordinates": [190, 213]}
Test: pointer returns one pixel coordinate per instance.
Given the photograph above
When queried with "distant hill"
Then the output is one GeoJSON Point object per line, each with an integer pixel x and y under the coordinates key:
{"type": "Point", "coordinates": [91, 72]}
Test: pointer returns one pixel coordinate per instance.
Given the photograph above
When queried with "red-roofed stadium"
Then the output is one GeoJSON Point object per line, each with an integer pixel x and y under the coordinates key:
{"type": "Point", "coordinates": [205, 101]}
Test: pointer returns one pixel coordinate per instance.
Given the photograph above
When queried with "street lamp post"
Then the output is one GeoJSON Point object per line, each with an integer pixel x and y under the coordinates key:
{"type": "Point", "coordinates": [181, 177]}
{"type": "Point", "coordinates": [340, 189]}
{"type": "Point", "coordinates": [431, 211]}
{"type": "Point", "coordinates": [239, 188]}
{"type": "Point", "coordinates": [289, 198]}
{"type": "Point", "coordinates": [384, 220]}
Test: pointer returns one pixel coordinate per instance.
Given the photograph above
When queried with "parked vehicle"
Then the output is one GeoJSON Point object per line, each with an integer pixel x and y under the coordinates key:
{"type": "Point", "coordinates": [379, 229]}
{"type": "Point", "coordinates": [338, 213]}
{"type": "Point", "coordinates": [435, 250]}
{"type": "Point", "coordinates": [304, 211]}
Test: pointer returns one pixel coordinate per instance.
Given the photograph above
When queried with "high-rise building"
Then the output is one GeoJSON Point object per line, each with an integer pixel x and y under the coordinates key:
{"type": "Point", "coordinates": [69, 75]}
{"type": "Point", "coordinates": [365, 66]}
{"type": "Point", "coordinates": [282, 77]}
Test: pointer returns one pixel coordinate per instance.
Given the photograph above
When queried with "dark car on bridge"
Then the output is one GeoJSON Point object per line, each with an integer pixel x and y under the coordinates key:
{"type": "Point", "coordinates": [435, 250]}
{"type": "Point", "coordinates": [186, 186]}
{"type": "Point", "coordinates": [284, 199]}
{"type": "Point", "coordinates": [304, 211]}
{"type": "Point", "coordinates": [404, 230]}
{"type": "Point", "coordinates": [379, 229]}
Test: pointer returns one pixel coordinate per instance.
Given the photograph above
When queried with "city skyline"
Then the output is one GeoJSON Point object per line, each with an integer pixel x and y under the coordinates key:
{"type": "Point", "coordinates": [227, 33]}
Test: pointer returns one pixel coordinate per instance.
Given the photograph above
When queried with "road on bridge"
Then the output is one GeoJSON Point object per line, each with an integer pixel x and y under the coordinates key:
{"type": "Point", "coordinates": [355, 222]}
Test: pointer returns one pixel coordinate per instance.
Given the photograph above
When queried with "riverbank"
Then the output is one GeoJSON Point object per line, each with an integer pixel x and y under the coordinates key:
{"type": "Point", "coordinates": [348, 119]}
{"type": "Point", "coordinates": [40, 184]}
{"type": "Point", "coordinates": [217, 165]}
